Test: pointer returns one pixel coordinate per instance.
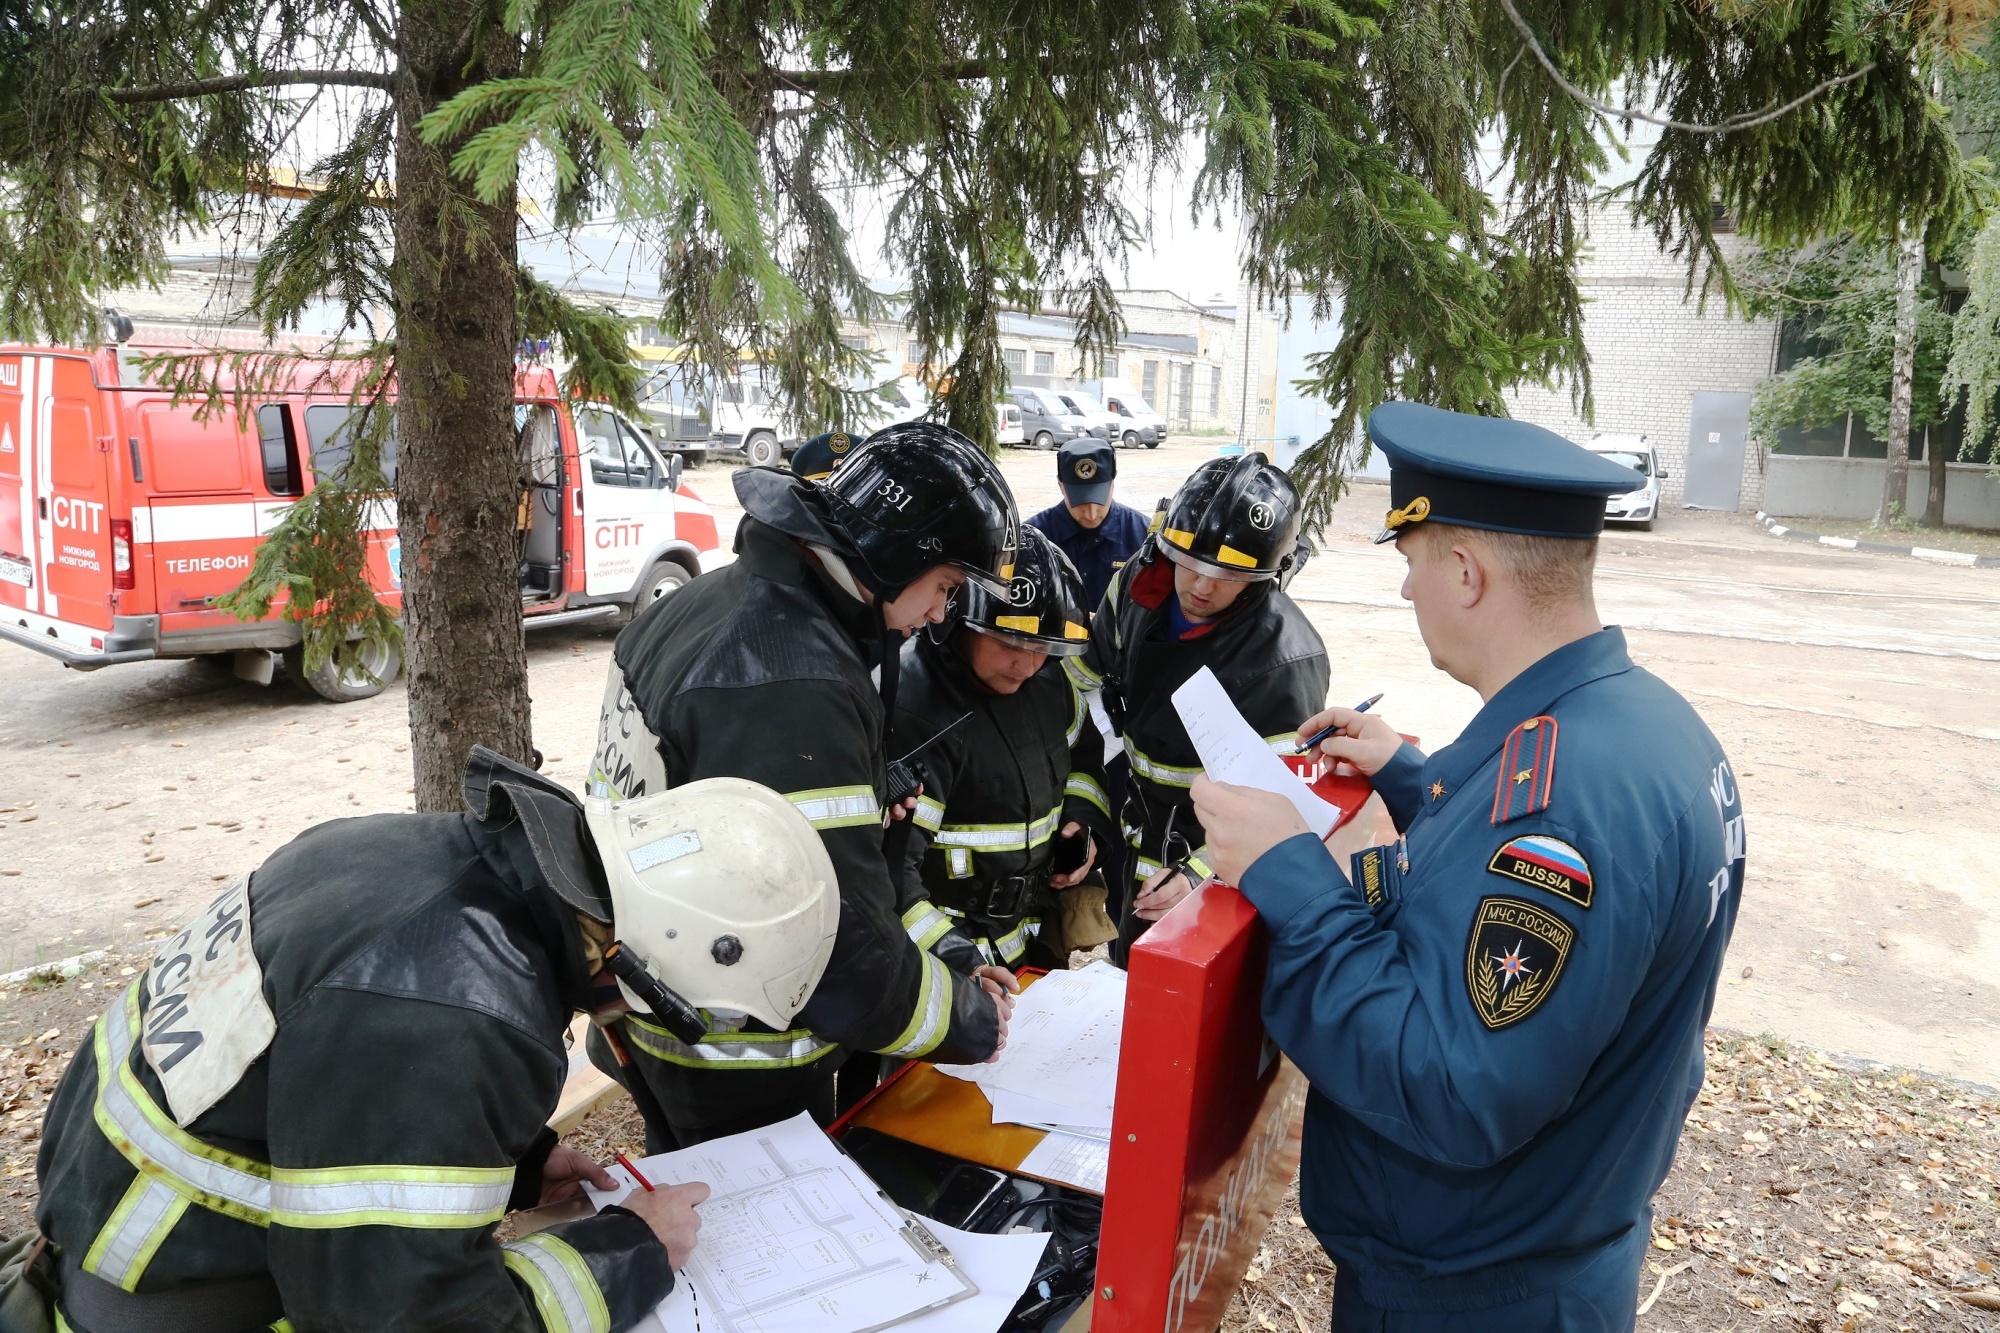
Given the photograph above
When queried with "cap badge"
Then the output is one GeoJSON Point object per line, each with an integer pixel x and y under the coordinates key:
{"type": "Point", "coordinates": [839, 443]}
{"type": "Point", "coordinates": [1085, 468]}
{"type": "Point", "coordinates": [1416, 511]}
{"type": "Point", "coordinates": [1262, 516]}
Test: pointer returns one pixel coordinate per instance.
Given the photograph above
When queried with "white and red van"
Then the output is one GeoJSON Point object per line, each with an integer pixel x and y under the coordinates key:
{"type": "Point", "coordinates": [124, 517]}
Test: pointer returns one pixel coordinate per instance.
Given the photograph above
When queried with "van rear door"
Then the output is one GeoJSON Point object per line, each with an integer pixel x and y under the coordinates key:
{"type": "Point", "coordinates": [19, 588]}
{"type": "Point", "coordinates": [76, 442]}
{"type": "Point", "coordinates": [55, 519]}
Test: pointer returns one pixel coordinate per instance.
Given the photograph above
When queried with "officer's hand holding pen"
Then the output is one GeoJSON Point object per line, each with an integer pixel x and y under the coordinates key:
{"type": "Point", "coordinates": [1361, 738]}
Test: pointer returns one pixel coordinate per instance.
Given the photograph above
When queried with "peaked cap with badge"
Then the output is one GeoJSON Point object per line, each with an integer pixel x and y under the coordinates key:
{"type": "Point", "coordinates": [1501, 1013]}
{"type": "Point", "coordinates": [1490, 472]}
{"type": "Point", "coordinates": [816, 459]}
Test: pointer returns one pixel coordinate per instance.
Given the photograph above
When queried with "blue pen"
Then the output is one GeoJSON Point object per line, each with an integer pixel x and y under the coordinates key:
{"type": "Point", "coordinates": [1306, 747]}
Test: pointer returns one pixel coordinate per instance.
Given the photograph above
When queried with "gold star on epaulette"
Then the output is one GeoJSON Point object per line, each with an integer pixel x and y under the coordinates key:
{"type": "Point", "coordinates": [1523, 776]}
{"type": "Point", "coordinates": [1437, 791]}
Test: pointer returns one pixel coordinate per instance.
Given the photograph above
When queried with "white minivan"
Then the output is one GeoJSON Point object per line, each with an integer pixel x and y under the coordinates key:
{"type": "Point", "coordinates": [1134, 420]}
{"type": "Point", "coordinates": [1636, 452]}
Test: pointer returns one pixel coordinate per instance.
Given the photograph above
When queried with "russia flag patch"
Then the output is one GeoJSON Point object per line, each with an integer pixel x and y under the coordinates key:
{"type": "Point", "coordinates": [1547, 863]}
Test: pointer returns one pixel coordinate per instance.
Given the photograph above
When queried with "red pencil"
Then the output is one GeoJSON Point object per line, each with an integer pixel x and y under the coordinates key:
{"type": "Point", "coordinates": [637, 1175]}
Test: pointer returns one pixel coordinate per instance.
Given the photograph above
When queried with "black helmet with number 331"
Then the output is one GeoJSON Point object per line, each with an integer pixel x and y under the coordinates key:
{"type": "Point", "coordinates": [1235, 518]}
{"type": "Point", "coordinates": [1043, 607]}
{"type": "Point", "coordinates": [916, 495]}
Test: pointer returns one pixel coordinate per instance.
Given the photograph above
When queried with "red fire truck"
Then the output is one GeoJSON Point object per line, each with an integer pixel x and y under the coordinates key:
{"type": "Point", "coordinates": [124, 517]}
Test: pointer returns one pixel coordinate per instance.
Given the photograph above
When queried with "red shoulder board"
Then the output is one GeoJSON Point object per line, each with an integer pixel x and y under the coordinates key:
{"type": "Point", "coordinates": [1527, 770]}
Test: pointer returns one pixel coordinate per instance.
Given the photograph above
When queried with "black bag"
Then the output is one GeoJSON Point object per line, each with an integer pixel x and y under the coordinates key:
{"type": "Point", "coordinates": [29, 1284]}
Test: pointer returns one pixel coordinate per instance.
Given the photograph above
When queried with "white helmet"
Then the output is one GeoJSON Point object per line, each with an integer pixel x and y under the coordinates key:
{"type": "Point", "coordinates": [722, 891]}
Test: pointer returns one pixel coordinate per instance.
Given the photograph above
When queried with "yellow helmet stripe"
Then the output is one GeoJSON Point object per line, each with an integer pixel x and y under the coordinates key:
{"type": "Point", "coordinates": [1229, 555]}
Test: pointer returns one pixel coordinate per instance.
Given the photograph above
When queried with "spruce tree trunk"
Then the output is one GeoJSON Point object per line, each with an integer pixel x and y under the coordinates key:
{"type": "Point", "coordinates": [1896, 481]}
{"type": "Point", "coordinates": [456, 484]}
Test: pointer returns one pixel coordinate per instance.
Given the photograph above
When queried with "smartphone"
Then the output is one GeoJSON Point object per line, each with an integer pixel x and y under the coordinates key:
{"type": "Point", "coordinates": [1070, 853]}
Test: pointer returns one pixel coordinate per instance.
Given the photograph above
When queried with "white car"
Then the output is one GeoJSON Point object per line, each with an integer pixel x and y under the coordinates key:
{"type": "Point", "coordinates": [1636, 452]}
{"type": "Point", "coordinates": [1137, 423]}
{"type": "Point", "coordinates": [1010, 430]}
{"type": "Point", "coordinates": [1103, 424]}
{"type": "Point", "coordinates": [893, 401]}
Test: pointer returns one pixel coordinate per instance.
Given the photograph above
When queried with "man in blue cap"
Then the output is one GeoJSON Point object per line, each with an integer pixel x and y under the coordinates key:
{"type": "Point", "coordinates": [1501, 1013]}
{"type": "Point", "coordinates": [816, 459]}
{"type": "Point", "coordinates": [1097, 534]}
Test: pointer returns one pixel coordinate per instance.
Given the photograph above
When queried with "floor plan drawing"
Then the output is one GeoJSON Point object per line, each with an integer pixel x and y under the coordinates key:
{"type": "Point", "coordinates": [795, 1238]}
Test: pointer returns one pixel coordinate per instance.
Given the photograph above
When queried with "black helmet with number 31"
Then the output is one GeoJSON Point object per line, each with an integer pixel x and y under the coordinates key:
{"type": "Point", "coordinates": [1043, 608]}
{"type": "Point", "coordinates": [1235, 518]}
{"type": "Point", "coordinates": [916, 495]}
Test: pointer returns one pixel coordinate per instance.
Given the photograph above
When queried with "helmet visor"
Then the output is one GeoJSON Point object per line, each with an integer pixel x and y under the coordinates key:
{"type": "Point", "coordinates": [1034, 643]}
{"type": "Point", "coordinates": [1194, 564]}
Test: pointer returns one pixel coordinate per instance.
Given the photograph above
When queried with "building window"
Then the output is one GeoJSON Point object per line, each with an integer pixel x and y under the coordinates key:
{"type": "Point", "coordinates": [858, 341]}
{"type": "Point", "coordinates": [1109, 368]}
{"type": "Point", "coordinates": [1215, 391]}
{"type": "Point", "coordinates": [914, 353]}
{"type": "Point", "coordinates": [1149, 381]}
{"type": "Point", "coordinates": [1187, 396]}
{"type": "Point", "coordinates": [1045, 363]}
{"type": "Point", "coordinates": [1016, 360]}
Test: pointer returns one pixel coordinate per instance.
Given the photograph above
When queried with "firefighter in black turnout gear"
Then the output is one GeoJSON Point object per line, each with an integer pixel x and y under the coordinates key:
{"type": "Point", "coordinates": [997, 865]}
{"type": "Point", "coordinates": [1204, 591]}
{"type": "Point", "coordinates": [762, 670]}
{"type": "Point", "coordinates": [311, 1109]}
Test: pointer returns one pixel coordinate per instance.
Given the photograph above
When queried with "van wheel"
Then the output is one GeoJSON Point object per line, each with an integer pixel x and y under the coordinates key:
{"type": "Point", "coordinates": [385, 663]}
{"type": "Point", "coordinates": [1153, 443]}
{"type": "Point", "coordinates": [662, 578]}
{"type": "Point", "coordinates": [762, 450]}
{"type": "Point", "coordinates": [1044, 440]}
{"type": "Point", "coordinates": [1129, 440]}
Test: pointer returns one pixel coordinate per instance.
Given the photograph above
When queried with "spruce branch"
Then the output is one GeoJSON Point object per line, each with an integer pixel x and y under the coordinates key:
{"type": "Point", "coordinates": [236, 83]}
{"type": "Point", "coordinates": [1728, 125]}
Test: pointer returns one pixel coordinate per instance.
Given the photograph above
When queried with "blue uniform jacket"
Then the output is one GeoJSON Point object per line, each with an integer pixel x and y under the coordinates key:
{"type": "Point", "coordinates": [1096, 552]}
{"type": "Point", "coordinates": [1501, 1015]}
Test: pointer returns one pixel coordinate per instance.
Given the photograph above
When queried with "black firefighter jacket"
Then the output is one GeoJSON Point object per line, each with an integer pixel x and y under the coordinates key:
{"type": "Point", "coordinates": [760, 671]}
{"type": "Point", "coordinates": [1266, 654]}
{"type": "Point", "coordinates": [997, 791]}
{"type": "Point", "coordinates": [421, 975]}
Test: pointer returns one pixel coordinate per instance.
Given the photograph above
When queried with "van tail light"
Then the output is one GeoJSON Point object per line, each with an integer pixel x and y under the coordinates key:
{"type": "Point", "coordinates": [121, 553]}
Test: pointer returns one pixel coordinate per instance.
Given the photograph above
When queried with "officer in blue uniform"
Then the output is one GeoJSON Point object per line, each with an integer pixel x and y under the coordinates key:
{"type": "Point", "coordinates": [1501, 1013]}
{"type": "Point", "coordinates": [816, 458]}
{"type": "Point", "coordinates": [1096, 532]}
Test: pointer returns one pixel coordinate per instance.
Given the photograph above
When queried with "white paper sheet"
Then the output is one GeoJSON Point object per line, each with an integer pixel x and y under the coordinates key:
{"type": "Point", "coordinates": [1231, 751]}
{"type": "Point", "coordinates": [1062, 1046]}
{"type": "Point", "coordinates": [1072, 1159]}
{"type": "Point", "coordinates": [1011, 1108]}
{"type": "Point", "coordinates": [795, 1238]}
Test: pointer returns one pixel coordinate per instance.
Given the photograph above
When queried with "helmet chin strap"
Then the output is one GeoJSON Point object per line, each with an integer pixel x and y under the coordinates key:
{"type": "Point", "coordinates": [889, 642]}
{"type": "Point", "coordinates": [892, 666]}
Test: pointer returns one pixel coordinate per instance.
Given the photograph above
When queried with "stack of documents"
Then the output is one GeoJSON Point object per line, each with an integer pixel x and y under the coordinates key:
{"type": "Point", "coordinates": [1060, 1071]}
